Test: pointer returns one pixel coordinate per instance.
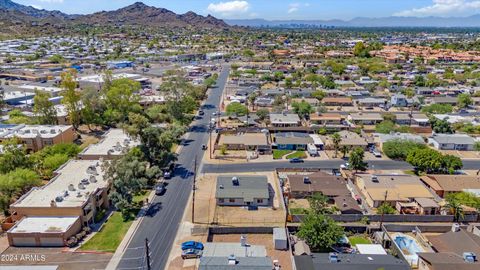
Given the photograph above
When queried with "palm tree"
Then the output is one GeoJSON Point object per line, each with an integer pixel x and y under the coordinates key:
{"type": "Point", "coordinates": [454, 206]}
{"type": "Point", "coordinates": [336, 139]}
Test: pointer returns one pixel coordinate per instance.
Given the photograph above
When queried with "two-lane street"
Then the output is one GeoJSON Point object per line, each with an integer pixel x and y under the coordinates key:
{"type": "Point", "coordinates": [161, 223]}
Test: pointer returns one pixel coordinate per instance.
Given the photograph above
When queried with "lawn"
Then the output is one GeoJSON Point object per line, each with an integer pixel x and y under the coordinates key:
{"type": "Point", "coordinates": [110, 236]}
{"type": "Point", "coordinates": [115, 228]}
{"type": "Point", "coordinates": [278, 154]}
{"type": "Point", "coordinates": [297, 154]}
{"type": "Point", "coordinates": [359, 239]}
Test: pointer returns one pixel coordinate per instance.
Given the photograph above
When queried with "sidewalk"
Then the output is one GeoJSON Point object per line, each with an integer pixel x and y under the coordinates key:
{"type": "Point", "coordinates": [117, 256]}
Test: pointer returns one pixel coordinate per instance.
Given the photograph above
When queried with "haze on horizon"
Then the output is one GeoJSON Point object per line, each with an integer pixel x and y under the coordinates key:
{"type": "Point", "coordinates": [279, 9]}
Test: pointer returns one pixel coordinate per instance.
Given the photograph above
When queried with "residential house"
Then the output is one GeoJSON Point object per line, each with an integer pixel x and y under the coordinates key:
{"type": "Point", "coordinates": [399, 100]}
{"type": "Point", "coordinates": [420, 119]}
{"type": "Point", "coordinates": [351, 140]}
{"type": "Point", "coordinates": [391, 189]}
{"type": "Point", "coordinates": [337, 101]}
{"type": "Point", "coordinates": [327, 120]}
{"type": "Point", "coordinates": [365, 118]}
{"type": "Point", "coordinates": [236, 263]}
{"type": "Point", "coordinates": [284, 120]}
{"type": "Point", "coordinates": [461, 142]}
{"type": "Point", "coordinates": [456, 249]}
{"type": "Point", "coordinates": [341, 261]}
{"type": "Point", "coordinates": [242, 191]}
{"type": "Point", "coordinates": [443, 185]}
{"type": "Point", "coordinates": [334, 187]}
{"type": "Point", "coordinates": [246, 141]}
{"type": "Point", "coordinates": [383, 138]}
{"type": "Point", "coordinates": [292, 140]}
{"type": "Point", "coordinates": [370, 102]}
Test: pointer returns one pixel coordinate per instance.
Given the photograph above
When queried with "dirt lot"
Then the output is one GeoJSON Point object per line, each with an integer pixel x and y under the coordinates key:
{"type": "Point", "coordinates": [206, 210]}
{"type": "Point", "coordinates": [283, 256]}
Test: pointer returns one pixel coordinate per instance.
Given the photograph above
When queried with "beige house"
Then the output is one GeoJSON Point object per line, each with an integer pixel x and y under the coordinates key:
{"type": "Point", "coordinates": [392, 189]}
{"type": "Point", "coordinates": [115, 143]}
{"type": "Point", "coordinates": [36, 137]}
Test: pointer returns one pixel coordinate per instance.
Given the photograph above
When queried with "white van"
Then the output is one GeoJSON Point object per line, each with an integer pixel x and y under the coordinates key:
{"type": "Point", "coordinates": [312, 150]}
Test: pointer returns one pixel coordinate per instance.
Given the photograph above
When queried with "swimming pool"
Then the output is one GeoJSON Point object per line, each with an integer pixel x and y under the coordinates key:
{"type": "Point", "coordinates": [409, 247]}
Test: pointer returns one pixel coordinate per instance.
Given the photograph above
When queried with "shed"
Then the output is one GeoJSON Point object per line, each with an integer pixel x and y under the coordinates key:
{"type": "Point", "coordinates": [280, 239]}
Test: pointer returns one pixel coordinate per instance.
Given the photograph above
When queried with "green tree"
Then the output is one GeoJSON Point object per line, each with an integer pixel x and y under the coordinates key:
{"type": "Point", "coordinates": [120, 100]}
{"type": "Point", "coordinates": [93, 107]}
{"type": "Point", "coordinates": [440, 126]}
{"type": "Point", "coordinates": [56, 59]}
{"type": "Point", "coordinates": [425, 160]}
{"type": "Point", "coordinates": [15, 183]}
{"type": "Point", "coordinates": [320, 232]}
{"type": "Point", "coordinates": [262, 114]}
{"type": "Point", "coordinates": [476, 146]}
{"type": "Point", "coordinates": [385, 209]}
{"type": "Point", "coordinates": [319, 94]}
{"type": "Point", "coordinates": [71, 98]}
{"type": "Point", "coordinates": [360, 50]}
{"type": "Point", "coordinates": [14, 156]}
{"type": "Point", "coordinates": [464, 100]}
{"type": "Point", "coordinates": [356, 160]}
{"type": "Point", "coordinates": [303, 108]}
{"type": "Point", "coordinates": [236, 108]}
{"type": "Point", "coordinates": [399, 149]}
{"type": "Point", "coordinates": [385, 127]}
{"type": "Point", "coordinates": [128, 175]}
{"type": "Point", "coordinates": [336, 140]}
{"type": "Point", "coordinates": [319, 204]}
{"type": "Point", "coordinates": [454, 205]}
{"type": "Point", "coordinates": [438, 108]}
{"type": "Point", "coordinates": [44, 108]}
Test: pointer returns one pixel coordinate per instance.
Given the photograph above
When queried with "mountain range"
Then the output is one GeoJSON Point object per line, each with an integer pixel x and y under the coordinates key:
{"type": "Point", "coordinates": [20, 17]}
{"type": "Point", "coordinates": [393, 21]}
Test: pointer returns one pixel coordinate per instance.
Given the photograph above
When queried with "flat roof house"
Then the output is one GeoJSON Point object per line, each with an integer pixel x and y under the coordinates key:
{"type": "Point", "coordinates": [322, 261]}
{"type": "Point", "coordinates": [43, 231]}
{"type": "Point", "coordinates": [284, 120]}
{"type": "Point", "coordinates": [398, 188]}
{"type": "Point", "coordinates": [327, 120]}
{"type": "Point", "coordinates": [292, 140]}
{"type": "Point", "coordinates": [115, 143]}
{"type": "Point", "coordinates": [235, 263]}
{"type": "Point", "coordinates": [36, 137]}
{"type": "Point", "coordinates": [351, 139]}
{"type": "Point", "coordinates": [334, 187]}
{"type": "Point", "coordinates": [77, 190]}
{"type": "Point", "coordinates": [461, 142]}
{"type": "Point", "coordinates": [242, 191]}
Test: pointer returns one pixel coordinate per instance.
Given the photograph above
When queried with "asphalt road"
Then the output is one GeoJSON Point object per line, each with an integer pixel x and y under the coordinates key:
{"type": "Point", "coordinates": [324, 164]}
{"type": "Point", "coordinates": [163, 219]}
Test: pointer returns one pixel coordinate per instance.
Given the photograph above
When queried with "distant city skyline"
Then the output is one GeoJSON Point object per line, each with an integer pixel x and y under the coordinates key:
{"type": "Point", "coordinates": [279, 9]}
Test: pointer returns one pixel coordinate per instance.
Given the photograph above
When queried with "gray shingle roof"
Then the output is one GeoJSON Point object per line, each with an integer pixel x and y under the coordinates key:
{"type": "Point", "coordinates": [249, 188]}
{"type": "Point", "coordinates": [453, 138]}
{"type": "Point", "coordinates": [247, 263]}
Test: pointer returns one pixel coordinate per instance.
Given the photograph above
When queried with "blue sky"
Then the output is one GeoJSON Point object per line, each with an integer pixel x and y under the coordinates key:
{"type": "Point", "coordinates": [279, 9]}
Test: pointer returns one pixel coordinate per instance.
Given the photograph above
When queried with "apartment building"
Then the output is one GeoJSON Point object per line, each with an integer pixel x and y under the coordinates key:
{"type": "Point", "coordinates": [115, 143]}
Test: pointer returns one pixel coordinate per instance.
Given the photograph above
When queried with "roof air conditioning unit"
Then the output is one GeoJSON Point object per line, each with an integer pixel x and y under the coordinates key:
{"type": "Point", "coordinates": [59, 198]}
{"type": "Point", "coordinates": [235, 181]}
{"type": "Point", "coordinates": [374, 178]}
{"type": "Point", "coordinates": [93, 179]}
{"type": "Point", "coordinates": [71, 187]}
{"type": "Point", "coordinates": [80, 186]}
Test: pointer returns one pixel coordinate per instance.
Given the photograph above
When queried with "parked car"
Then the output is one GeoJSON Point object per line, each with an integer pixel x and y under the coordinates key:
{"type": "Point", "coordinates": [296, 160]}
{"type": "Point", "coordinates": [201, 112]}
{"type": "Point", "coordinates": [168, 171]}
{"type": "Point", "coordinates": [192, 245]}
{"type": "Point", "coordinates": [160, 189]}
{"type": "Point", "coordinates": [377, 154]}
{"type": "Point", "coordinates": [192, 253]}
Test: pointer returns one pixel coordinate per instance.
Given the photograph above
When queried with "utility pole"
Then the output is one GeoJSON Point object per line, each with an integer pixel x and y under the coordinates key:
{"type": "Point", "coordinates": [381, 218]}
{"type": "Point", "coordinates": [147, 254]}
{"type": "Point", "coordinates": [210, 141]}
{"type": "Point", "coordinates": [194, 188]}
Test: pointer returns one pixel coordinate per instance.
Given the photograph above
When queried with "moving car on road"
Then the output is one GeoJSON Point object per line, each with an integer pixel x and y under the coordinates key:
{"type": "Point", "coordinates": [296, 160]}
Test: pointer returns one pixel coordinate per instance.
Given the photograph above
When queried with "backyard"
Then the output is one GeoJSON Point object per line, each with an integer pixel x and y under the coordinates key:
{"type": "Point", "coordinates": [358, 239]}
